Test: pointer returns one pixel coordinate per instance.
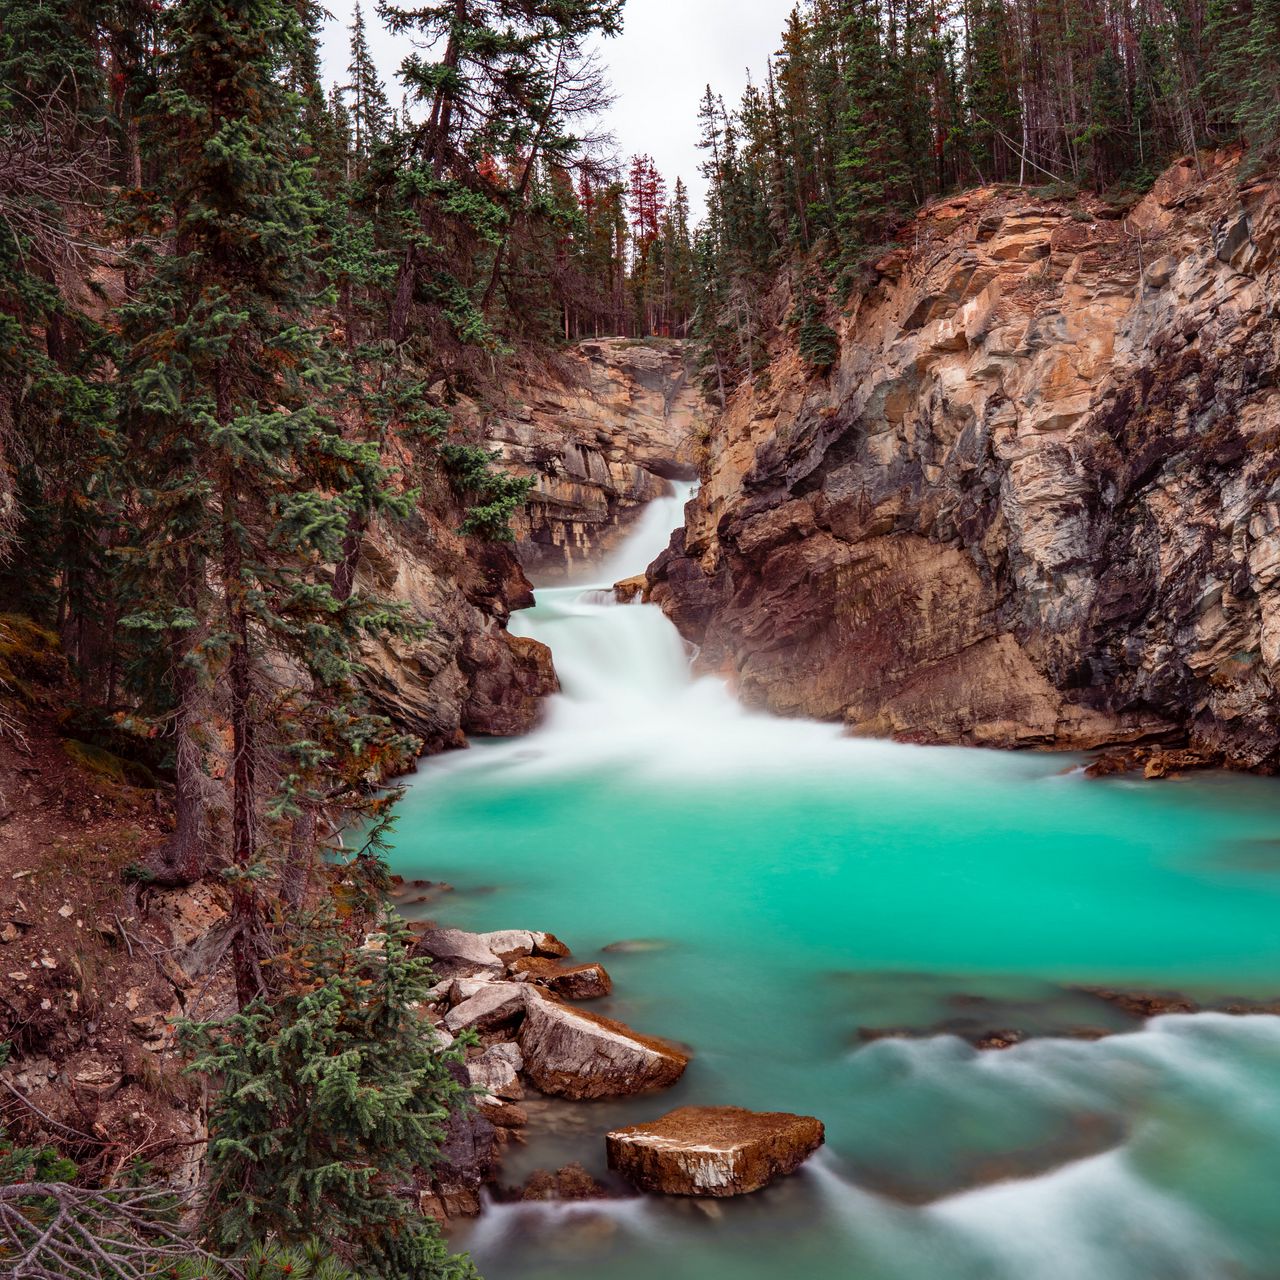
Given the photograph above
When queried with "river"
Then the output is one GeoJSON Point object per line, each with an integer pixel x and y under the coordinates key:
{"type": "Point", "coordinates": [792, 893]}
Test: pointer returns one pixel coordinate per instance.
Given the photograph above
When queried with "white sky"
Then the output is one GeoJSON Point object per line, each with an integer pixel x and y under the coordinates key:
{"type": "Point", "coordinates": [668, 52]}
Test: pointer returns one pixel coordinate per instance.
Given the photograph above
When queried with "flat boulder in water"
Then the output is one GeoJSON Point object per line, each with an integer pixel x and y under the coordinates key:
{"type": "Point", "coordinates": [574, 1054]}
{"type": "Point", "coordinates": [713, 1151]}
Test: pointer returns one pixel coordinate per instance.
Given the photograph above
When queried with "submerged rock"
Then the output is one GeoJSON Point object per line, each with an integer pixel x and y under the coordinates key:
{"type": "Point", "coordinates": [634, 946]}
{"type": "Point", "coordinates": [571, 982]}
{"type": "Point", "coordinates": [574, 1054]}
{"type": "Point", "coordinates": [713, 1151]}
{"type": "Point", "coordinates": [572, 1182]}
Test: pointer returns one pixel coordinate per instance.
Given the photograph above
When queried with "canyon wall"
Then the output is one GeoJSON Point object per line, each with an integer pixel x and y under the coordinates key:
{"type": "Point", "coordinates": [602, 429]}
{"type": "Point", "coordinates": [602, 435]}
{"type": "Point", "coordinates": [1036, 502]}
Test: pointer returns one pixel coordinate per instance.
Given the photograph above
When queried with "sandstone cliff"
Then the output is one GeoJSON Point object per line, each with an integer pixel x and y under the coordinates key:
{"type": "Point", "coordinates": [1036, 502]}
{"type": "Point", "coordinates": [602, 435]}
{"type": "Point", "coordinates": [465, 674]}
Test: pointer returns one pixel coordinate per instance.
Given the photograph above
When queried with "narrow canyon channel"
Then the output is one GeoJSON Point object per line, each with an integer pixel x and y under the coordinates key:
{"type": "Point", "coordinates": [833, 926]}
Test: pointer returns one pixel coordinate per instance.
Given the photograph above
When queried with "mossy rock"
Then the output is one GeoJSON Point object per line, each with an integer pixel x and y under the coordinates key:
{"type": "Point", "coordinates": [30, 657]}
{"type": "Point", "coordinates": [105, 765]}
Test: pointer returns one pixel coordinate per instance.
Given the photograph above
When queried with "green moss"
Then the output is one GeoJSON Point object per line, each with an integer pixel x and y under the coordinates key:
{"type": "Point", "coordinates": [105, 765]}
{"type": "Point", "coordinates": [30, 656]}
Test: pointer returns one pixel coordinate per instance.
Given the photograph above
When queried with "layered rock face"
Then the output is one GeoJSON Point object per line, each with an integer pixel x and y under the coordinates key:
{"type": "Point", "coordinates": [464, 674]}
{"type": "Point", "coordinates": [603, 435]}
{"type": "Point", "coordinates": [1037, 501]}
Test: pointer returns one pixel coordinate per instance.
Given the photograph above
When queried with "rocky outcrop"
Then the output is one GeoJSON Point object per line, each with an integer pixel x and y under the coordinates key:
{"type": "Point", "coordinates": [569, 981]}
{"type": "Point", "coordinates": [463, 673]}
{"type": "Point", "coordinates": [602, 435]}
{"type": "Point", "coordinates": [602, 431]}
{"type": "Point", "coordinates": [1037, 500]}
{"type": "Point", "coordinates": [712, 1151]}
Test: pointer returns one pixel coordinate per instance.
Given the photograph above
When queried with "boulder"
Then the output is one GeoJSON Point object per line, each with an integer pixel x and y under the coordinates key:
{"type": "Point", "coordinates": [456, 953]}
{"type": "Point", "coordinates": [547, 944]}
{"type": "Point", "coordinates": [496, 1071]}
{"type": "Point", "coordinates": [508, 943]}
{"type": "Point", "coordinates": [569, 981]}
{"type": "Point", "coordinates": [629, 590]}
{"type": "Point", "coordinates": [467, 1160]}
{"type": "Point", "coordinates": [572, 1182]}
{"type": "Point", "coordinates": [495, 1005]}
{"type": "Point", "coordinates": [574, 1054]}
{"type": "Point", "coordinates": [712, 1151]}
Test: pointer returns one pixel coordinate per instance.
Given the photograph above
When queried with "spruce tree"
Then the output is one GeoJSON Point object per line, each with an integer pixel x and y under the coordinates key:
{"type": "Point", "coordinates": [333, 1095]}
{"type": "Point", "coordinates": [248, 487]}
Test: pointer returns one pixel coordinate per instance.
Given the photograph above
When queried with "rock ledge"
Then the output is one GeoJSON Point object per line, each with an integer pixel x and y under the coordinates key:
{"type": "Point", "coordinates": [713, 1151]}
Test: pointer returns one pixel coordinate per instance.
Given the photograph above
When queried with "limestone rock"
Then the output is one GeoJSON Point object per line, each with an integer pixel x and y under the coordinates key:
{"type": "Point", "coordinates": [456, 953]}
{"type": "Point", "coordinates": [547, 944]}
{"type": "Point", "coordinates": [496, 1071]}
{"type": "Point", "coordinates": [572, 1182]}
{"type": "Point", "coordinates": [601, 439]}
{"type": "Point", "coordinates": [574, 1054]}
{"type": "Point", "coordinates": [496, 1004]}
{"type": "Point", "coordinates": [629, 590]}
{"type": "Point", "coordinates": [712, 1151]}
{"type": "Point", "coordinates": [465, 673]}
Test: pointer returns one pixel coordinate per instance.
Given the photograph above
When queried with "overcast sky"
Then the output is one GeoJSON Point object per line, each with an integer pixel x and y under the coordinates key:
{"type": "Point", "coordinates": [667, 54]}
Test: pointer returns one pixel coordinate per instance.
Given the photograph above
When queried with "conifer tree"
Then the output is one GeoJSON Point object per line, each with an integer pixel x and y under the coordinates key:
{"type": "Point", "coordinates": [247, 484]}
{"type": "Point", "coordinates": [370, 111]}
{"type": "Point", "coordinates": [334, 1094]}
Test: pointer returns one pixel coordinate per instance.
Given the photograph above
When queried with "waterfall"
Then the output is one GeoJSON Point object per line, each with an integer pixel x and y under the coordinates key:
{"type": "Point", "coordinates": [614, 659]}
{"type": "Point", "coordinates": [793, 887]}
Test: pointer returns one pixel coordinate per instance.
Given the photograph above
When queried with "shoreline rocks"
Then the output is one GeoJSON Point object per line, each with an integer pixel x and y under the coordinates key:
{"type": "Point", "coordinates": [713, 1151]}
{"type": "Point", "coordinates": [571, 1053]}
{"type": "Point", "coordinates": [570, 982]}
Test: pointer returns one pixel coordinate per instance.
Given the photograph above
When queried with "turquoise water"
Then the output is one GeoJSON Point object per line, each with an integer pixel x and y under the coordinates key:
{"type": "Point", "coordinates": [798, 892]}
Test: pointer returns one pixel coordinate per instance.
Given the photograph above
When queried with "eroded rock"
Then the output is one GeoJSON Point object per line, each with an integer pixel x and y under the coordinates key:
{"type": "Point", "coordinates": [712, 1151]}
{"type": "Point", "coordinates": [1033, 504]}
{"type": "Point", "coordinates": [570, 982]}
{"type": "Point", "coordinates": [571, 1053]}
{"type": "Point", "coordinates": [494, 1005]}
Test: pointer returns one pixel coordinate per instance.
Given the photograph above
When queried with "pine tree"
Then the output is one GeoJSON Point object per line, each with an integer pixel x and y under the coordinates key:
{"type": "Point", "coordinates": [370, 111]}
{"type": "Point", "coordinates": [246, 482]}
{"type": "Point", "coordinates": [333, 1095]}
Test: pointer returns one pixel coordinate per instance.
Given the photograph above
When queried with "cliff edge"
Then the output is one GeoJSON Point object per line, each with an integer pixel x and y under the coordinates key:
{"type": "Point", "coordinates": [1036, 501]}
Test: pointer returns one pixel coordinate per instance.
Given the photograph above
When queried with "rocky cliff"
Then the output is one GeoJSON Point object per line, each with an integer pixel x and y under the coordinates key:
{"type": "Point", "coordinates": [601, 429]}
{"type": "Point", "coordinates": [464, 674]}
{"type": "Point", "coordinates": [602, 434]}
{"type": "Point", "coordinates": [1037, 500]}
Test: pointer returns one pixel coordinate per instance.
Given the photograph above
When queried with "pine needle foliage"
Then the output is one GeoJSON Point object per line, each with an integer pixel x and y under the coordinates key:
{"type": "Point", "coordinates": [333, 1094]}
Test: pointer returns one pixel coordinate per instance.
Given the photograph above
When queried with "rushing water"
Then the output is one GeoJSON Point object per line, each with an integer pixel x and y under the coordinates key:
{"type": "Point", "coordinates": [793, 888]}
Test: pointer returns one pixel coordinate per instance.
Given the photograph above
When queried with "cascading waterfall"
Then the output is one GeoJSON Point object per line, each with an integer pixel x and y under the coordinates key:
{"type": "Point", "coordinates": [795, 887]}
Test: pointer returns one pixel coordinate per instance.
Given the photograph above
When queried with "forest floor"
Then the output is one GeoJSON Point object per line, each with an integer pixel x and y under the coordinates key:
{"type": "Point", "coordinates": [93, 968]}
